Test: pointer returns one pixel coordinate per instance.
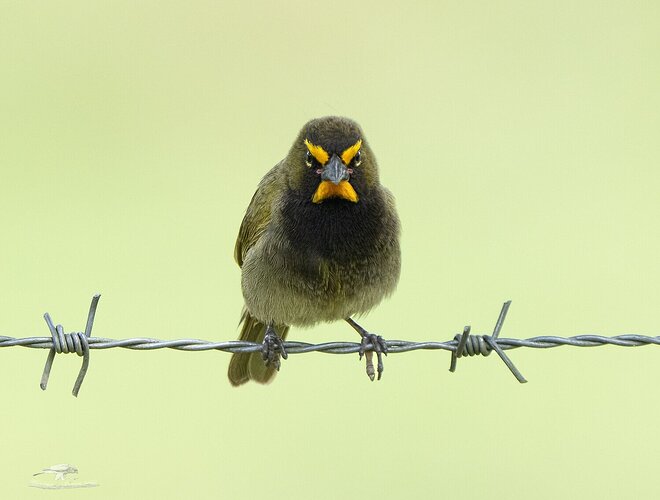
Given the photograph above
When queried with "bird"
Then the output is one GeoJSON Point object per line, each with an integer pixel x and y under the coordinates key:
{"type": "Point", "coordinates": [319, 242]}
{"type": "Point", "coordinates": [59, 471]}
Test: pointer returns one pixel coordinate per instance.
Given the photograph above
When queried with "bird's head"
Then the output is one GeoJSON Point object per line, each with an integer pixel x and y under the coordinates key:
{"type": "Point", "coordinates": [331, 159]}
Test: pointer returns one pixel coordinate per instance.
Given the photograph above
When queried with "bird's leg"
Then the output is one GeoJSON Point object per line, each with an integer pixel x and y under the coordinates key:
{"type": "Point", "coordinates": [378, 344]}
{"type": "Point", "coordinates": [272, 347]}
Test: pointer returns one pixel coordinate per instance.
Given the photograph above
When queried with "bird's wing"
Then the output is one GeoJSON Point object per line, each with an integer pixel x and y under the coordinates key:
{"type": "Point", "coordinates": [258, 214]}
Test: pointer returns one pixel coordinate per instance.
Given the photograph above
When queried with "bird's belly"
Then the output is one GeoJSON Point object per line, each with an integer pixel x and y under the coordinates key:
{"type": "Point", "coordinates": [303, 292]}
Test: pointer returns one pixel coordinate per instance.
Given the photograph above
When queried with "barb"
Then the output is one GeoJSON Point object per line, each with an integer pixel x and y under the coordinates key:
{"type": "Point", "coordinates": [484, 344]}
{"type": "Point", "coordinates": [70, 342]}
{"type": "Point", "coordinates": [465, 344]}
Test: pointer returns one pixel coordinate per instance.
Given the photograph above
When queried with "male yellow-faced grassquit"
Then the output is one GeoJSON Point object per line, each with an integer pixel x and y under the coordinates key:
{"type": "Point", "coordinates": [319, 242]}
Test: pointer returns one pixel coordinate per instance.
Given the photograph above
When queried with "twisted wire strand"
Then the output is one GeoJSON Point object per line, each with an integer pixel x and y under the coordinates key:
{"type": "Point", "coordinates": [395, 346]}
{"type": "Point", "coordinates": [462, 345]}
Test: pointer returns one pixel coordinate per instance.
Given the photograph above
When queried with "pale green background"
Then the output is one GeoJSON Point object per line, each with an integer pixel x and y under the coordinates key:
{"type": "Point", "coordinates": [521, 140]}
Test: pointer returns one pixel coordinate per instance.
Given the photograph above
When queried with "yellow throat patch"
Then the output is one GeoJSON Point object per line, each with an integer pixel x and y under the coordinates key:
{"type": "Point", "coordinates": [328, 189]}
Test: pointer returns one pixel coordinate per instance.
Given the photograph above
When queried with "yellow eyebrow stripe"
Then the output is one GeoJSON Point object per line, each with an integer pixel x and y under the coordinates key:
{"type": "Point", "coordinates": [349, 153]}
{"type": "Point", "coordinates": [317, 152]}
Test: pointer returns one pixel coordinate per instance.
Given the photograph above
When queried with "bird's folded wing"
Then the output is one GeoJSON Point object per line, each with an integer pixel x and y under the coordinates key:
{"type": "Point", "coordinates": [258, 214]}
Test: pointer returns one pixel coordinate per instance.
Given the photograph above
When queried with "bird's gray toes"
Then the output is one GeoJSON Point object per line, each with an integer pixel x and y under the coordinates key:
{"type": "Point", "coordinates": [271, 349]}
{"type": "Point", "coordinates": [379, 346]}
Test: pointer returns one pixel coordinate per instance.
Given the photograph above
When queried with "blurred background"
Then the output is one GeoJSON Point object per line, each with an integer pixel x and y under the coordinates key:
{"type": "Point", "coordinates": [521, 141]}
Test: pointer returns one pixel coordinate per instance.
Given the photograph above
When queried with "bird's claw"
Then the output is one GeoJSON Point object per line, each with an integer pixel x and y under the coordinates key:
{"type": "Point", "coordinates": [379, 346]}
{"type": "Point", "coordinates": [272, 348]}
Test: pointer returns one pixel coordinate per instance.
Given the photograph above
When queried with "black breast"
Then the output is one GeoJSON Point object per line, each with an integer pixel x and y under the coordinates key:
{"type": "Point", "coordinates": [337, 229]}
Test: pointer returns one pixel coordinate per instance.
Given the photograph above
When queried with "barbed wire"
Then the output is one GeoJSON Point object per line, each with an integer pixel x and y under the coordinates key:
{"type": "Point", "coordinates": [465, 344]}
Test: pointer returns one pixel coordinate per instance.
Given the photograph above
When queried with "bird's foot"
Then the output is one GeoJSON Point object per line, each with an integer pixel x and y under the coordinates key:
{"type": "Point", "coordinates": [272, 348]}
{"type": "Point", "coordinates": [378, 345]}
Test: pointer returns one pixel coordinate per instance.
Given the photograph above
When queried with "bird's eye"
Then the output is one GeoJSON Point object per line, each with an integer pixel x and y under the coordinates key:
{"type": "Point", "coordinates": [308, 159]}
{"type": "Point", "coordinates": [357, 159]}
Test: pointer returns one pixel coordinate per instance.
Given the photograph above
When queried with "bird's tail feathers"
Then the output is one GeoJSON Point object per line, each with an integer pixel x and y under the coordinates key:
{"type": "Point", "coordinates": [250, 366]}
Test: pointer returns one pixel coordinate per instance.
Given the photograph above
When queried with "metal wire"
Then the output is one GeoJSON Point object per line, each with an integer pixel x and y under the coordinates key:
{"type": "Point", "coordinates": [465, 344]}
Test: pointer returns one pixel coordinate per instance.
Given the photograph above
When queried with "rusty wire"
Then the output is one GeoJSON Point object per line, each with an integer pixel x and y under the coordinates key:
{"type": "Point", "coordinates": [465, 344]}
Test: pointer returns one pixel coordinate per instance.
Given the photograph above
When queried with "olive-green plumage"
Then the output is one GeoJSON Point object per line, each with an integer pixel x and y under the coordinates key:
{"type": "Point", "coordinates": [304, 262]}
